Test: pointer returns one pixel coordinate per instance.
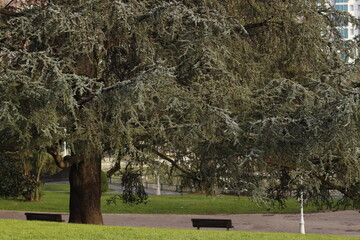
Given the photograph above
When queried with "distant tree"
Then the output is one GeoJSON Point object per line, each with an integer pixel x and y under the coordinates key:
{"type": "Point", "coordinates": [41, 162]}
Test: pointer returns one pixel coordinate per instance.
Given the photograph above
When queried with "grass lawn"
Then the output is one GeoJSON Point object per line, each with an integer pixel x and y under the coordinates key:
{"type": "Point", "coordinates": [56, 188]}
{"type": "Point", "coordinates": [164, 204]}
{"type": "Point", "coordinates": [33, 230]}
{"type": "Point", "coordinates": [60, 188]}
{"type": "Point", "coordinates": [198, 204]}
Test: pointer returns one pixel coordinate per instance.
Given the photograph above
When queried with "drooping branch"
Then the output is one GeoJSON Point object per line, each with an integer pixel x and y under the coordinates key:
{"type": "Point", "coordinates": [349, 194]}
{"type": "Point", "coordinates": [174, 164]}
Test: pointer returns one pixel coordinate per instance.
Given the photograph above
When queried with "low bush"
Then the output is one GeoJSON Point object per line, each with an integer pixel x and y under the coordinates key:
{"type": "Point", "coordinates": [13, 182]}
{"type": "Point", "coordinates": [104, 182]}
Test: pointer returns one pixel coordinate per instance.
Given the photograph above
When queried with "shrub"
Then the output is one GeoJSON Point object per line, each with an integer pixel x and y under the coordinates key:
{"type": "Point", "coordinates": [104, 182]}
{"type": "Point", "coordinates": [13, 182]}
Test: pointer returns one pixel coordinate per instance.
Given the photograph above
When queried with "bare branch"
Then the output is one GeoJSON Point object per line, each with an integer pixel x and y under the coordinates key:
{"type": "Point", "coordinates": [118, 85]}
{"type": "Point", "coordinates": [7, 12]}
{"type": "Point", "coordinates": [106, 89]}
{"type": "Point", "coordinates": [113, 170]}
{"type": "Point", "coordinates": [7, 5]}
{"type": "Point", "coordinates": [62, 162]}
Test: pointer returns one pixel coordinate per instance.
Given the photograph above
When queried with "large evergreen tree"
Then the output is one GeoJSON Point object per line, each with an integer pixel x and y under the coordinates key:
{"type": "Point", "coordinates": [112, 76]}
{"type": "Point", "coordinates": [198, 79]}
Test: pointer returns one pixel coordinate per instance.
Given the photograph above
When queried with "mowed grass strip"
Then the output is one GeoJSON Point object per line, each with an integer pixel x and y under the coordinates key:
{"type": "Point", "coordinates": [34, 230]}
{"type": "Point", "coordinates": [164, 204]}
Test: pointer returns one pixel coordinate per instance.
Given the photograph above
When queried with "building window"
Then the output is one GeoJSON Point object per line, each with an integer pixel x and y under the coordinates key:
{"type": "Point", "coordinates": [341, 1]}
{"type": "Point", "coordinates": [358, 7]}
{"type": "Point", "coordinates": [351, 7]}
{"type": "Point", "coordinates": [343, 8]}
{"type": "Point", "coordinates": [352, 32]}
{"type": "Point", "coordinates": [344, 32]}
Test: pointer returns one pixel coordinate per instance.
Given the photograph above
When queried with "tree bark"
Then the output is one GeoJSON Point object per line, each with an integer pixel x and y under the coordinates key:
{"type": "Point", "coordinates": [85, 184]}
{"type": "Point", "coordinates": [85, 192]}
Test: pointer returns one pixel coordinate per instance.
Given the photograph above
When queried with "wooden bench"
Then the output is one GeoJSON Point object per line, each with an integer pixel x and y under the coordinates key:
{"type": "Point", "coordinates": [52, 217]}
{"type": "Point", "coordinates": [212, 223]}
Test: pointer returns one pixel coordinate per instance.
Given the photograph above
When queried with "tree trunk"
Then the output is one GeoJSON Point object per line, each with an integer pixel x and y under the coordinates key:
{"type": "Point", "coordinates": [85, 192]}
{"type": "Point", "coordinates": [37, 196]}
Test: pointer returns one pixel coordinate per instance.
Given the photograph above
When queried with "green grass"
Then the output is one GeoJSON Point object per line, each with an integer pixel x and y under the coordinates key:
{"type": "Point", "coordinates": [51, 202]}
{"type": "Point", "coordinates": [56, 187]}
{"type": "Point", "coordinates": [198, 204]}
{"type": "Point", "coordinates": [164, 204]}
{"type": "Point", "coordinates": [60, 188]}
{"type": "Point", "coordinates": [33, 230]}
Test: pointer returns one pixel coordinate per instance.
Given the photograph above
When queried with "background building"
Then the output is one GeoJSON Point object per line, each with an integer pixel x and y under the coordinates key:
{"type": "Point", "coordinates": [348, 31]}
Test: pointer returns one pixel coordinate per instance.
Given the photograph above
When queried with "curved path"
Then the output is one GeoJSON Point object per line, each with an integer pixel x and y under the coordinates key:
{"type": "Point", "coordinates": [332, 223]}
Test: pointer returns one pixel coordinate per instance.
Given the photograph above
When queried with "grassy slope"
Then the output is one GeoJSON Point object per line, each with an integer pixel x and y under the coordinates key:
{"type": "Point", "coordinates": [32, 230]}
{"type": "Point", "coordinates": [164, 204]}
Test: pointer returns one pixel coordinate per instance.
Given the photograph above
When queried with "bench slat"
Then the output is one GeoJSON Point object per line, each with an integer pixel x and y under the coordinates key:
{"type": "Point", "coordinates": [52, 217]}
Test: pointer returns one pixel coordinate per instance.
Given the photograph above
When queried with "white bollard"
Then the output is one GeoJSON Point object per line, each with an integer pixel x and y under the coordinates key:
{"type": "Point", "coordinates": [302, 222]}
{"type": "Point", "coordinates": [158, 190]}
{"type": "Point", "coordinates": [65, 150]}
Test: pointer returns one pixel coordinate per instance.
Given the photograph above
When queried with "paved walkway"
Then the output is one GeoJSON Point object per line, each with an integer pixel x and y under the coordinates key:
{"type": "Point", "coordinates": [332, 223]}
